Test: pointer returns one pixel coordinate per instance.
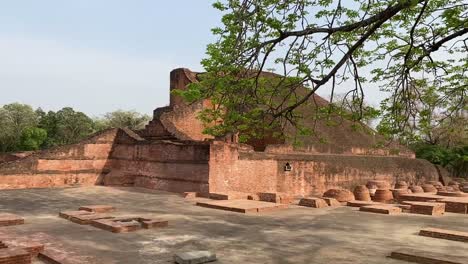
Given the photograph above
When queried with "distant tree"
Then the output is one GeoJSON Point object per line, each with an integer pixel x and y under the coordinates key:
{"type": "Point", "coordinates": [32, 138]}
{"type": "Point", "coordinates": [72, 126]}
{"type": "Point", "coordinates": [15, 118]}
{"type": "Point", "coordinates": [48, 122]}
{"type": "Point", "coordinates": [121, 119]}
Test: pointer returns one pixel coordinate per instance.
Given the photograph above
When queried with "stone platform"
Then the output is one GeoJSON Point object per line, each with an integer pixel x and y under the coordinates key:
{"type": "Point", "coordinates": [243, 206]}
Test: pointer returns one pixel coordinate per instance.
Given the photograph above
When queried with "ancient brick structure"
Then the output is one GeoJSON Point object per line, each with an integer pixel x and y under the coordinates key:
{"type": "Point", "coordinates": [173, 154]}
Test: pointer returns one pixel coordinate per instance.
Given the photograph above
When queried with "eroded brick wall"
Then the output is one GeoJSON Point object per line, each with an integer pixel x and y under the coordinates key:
{"type": "Point", "coordinates": [234, 168]}
{"type": "Point", "coordinates": [163, 165]}
{"type": "Point", "coordinates": [83, 163]}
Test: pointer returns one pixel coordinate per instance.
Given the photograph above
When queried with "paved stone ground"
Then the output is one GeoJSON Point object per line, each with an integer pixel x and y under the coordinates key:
{"type": "Point", "coordinates": [295, 235]}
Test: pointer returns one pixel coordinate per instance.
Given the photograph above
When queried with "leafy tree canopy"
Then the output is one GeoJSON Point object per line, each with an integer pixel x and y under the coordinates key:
{"type": "Point", "coordinates": [121, 119]}
{"type": "Point", "coordinates": [409, 48]}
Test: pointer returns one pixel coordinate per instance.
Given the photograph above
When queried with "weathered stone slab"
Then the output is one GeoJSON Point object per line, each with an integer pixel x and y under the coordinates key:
{"type": "Point", "coordinates": [282, 198]}
{"type": "Point", "coordinates": [30, 246]}
{"type": "Point", "coordinates": [128, 224]}
{"type": "Point", "coordinates": [357, 203]}
{"type": "Point", "coordinates": [331, 201]}
{"type": "Point", "coordinates": [228, 196]}
{"type": "Point", "coordinates": [426, 208]}
{"type": "Point", "coordinates": [427, 257]}
{"type": "Point", "coordinates": [7, 219]}
{"type": "Point", "coordinates": [14, 256]}
{"type": "Point", "coordinates": [452, 194]}
{"type": "Point", "coordinates": [421, 197]}
{"type": "Point", "coordinates": [313, 202]}
{"type": "Point", "coordinates": [456, 205]}
{"type": "Point", "coordinates": [57, 256]}
{"type": "Point", "coordinates": [97, 208]}
{"type": "Point", "coordinates": [381, 209]}
{"type": "Point", "coordinates": [444, 234]}
{"type": "Point", "coordinates": [194, 257]}
{"type": "Point", "coordinates": [243, 206]}
{"type": "Point", "coordinates": [190, 195]}
{"type": "Point", "coordinates": [69, 214]}
{"type": "Point", "coordinates": [87, 219]}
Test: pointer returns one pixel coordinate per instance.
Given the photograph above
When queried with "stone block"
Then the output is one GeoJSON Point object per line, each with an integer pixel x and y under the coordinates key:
{"type": "Point", "coordinates": [253, 197]}
{"type": "Point", "coordinates": [444, 234]}
{"type": "Point", "coordinates": [228, 196]}
{"type": "Point", "coordinates": [87, 219]}
{"type": "Point", "coordinates": [190, 195]}
{"type": "Point", "coordinates": [243, 206]}
{"type": "Point", "coordinates": [426, 257]}
{"type": "Point", "coordinates": [313, 202]}
{"type": "Point", "coordinates": [426, 208]}
{"type": "Point", "coordinates": [97, 208]}
{"type": "Point", "coordinates": [331, 201]}
{"type": "Point", "coordinates": [194, 257]}
{"type": "Point", "coordinates": [7, 219]}
{"type": "Point", "coordinates": [30, 246]}
{"type": "Point", "coordinates": [381, 209]}
{"type": "Point", "coordinates": [154, 223]}
{"type": "Point", "coordinates": [361, 203]}
{"type": "Point", "coordinates": [282, 198]}
{"type": "Point", "coordinates": [458, 206]}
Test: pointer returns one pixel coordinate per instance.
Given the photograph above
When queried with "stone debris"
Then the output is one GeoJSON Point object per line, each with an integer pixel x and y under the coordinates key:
{"type": "Point", "coordinates": [194, 257]}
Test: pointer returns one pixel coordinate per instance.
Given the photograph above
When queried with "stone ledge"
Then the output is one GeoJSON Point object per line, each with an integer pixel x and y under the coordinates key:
{"type": "Point", "coordinates": [243, 206]}
{"type": "Point", "coordinates": [7, 219]}
{"type": "Point", "coordinates": [361, 203]}
{"type": "Point", "coordinates": [425, 257]}
{"type": "Point", "coordinates": [444, 234]}
{"type": "Point", "coordinates": [97, 208]}
{"type": "Point", "coordinates": [381, 209]}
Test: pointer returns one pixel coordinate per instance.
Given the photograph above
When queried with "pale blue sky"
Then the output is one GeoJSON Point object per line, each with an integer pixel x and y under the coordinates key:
{"type": "Point", "coordinates": [99, 55]}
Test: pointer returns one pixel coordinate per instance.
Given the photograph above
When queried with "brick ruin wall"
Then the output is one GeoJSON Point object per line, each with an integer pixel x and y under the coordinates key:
{"type": "Point", "coordinates": [238, 168]}
{"type": "Point", "coordinates": [83, 163]}
{"type": "Point", "coordinates": [164, 165]}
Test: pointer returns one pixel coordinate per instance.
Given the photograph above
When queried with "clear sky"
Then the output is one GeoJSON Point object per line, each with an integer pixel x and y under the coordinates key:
{"type": "Point", "coordinates": [99, 55]}
{"type": "Point", "coordinates": [102, 55]}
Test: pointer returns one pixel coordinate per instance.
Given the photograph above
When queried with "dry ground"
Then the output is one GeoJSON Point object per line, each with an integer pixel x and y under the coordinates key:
{"type": "Point", "coordinates": [294, 235]}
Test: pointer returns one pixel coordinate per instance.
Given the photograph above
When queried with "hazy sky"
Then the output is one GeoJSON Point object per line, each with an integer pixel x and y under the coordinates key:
{"type": "Point", "coordinates": [101, 55]}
